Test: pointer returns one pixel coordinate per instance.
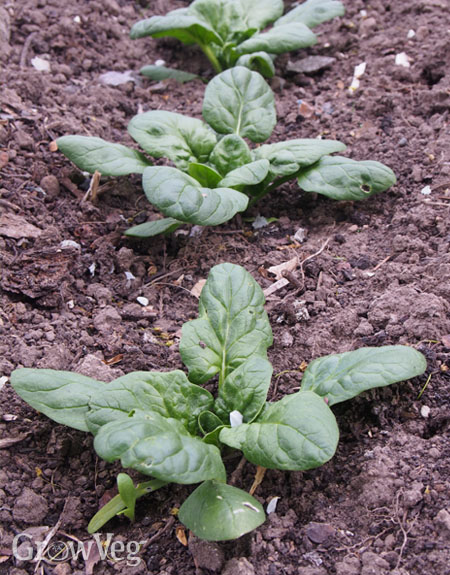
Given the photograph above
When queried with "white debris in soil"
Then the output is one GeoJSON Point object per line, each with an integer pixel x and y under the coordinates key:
{"type": "Point", "coordinates": [425, 411]}
{"type": "Point", "coordinates": [143, 301]}
{"type": "Point", "coordinates": [69, 244]}
{"type": "Point", "coordinates": [236, 418]}
{"type": "Point", "coordinates": [40, 64]}
{"type": "Point", "coordinates": [117, 78]}
{"type": "Point", "coordinates": [358, 72]}
{"type": "Point", "coordinates": [92, 269]}
{"type": "Point", "coordinates": [129, 276]}
{"type": "Point", "coordinates": [260, 222]}
{"type": "Point", "coordinates": [426, 191]}
{"type": "Point", "coordinates": [300, 235]}
{"type": "Point", "coordinates": [402, 59]}
{"type": "Point", "coordinates": [3, 381]}
{"type": "Point", "coordinates": [160, 63]}
{"type": "Point", "coordinates": [272, 505]}
{"type": "Point", "coordinates": [410, 34]}
{"type": "Point", "coordinates": [77, 20]}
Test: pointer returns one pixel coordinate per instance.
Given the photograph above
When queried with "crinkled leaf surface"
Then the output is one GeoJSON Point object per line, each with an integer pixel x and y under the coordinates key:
{"type": "Point", "coordinates": [345, 179]}
{"type": "Point", "coordinates": [94, 154]}
{"type": "Point", "coordinates": [290, 156]}
{"type": "Point", "coordinates": [239, 101]}
{"type": "Point", "coordinates": [245, 390]}
{"type": "Point", "coordinates": [260, 13]}
{"type": "Point", "coordinates": [225, 17]}
{"type": "Point", "coordinates": [167, 134]}
{"type": "Point", "coordinates": [161, 447]}
{"type": "Point", "coordinates": [181, 24]}
{"type": "Point", "coordinates": [232, 325]}
{"type": "Point", "coordinates": [61, 395]}
{"type": "Point", "coordinates": [169, 394]}
{"type": "Point", "coordinates": [279, 39]}
{"type": "Point", "coordinates": [248, 175]}
{"type": "Point", "coordinates": [230, 153]}
{"type": "Point", "coordinates": [181, 197]}
{"type": "Point", "coordinates": [313, 12]}
{"type": "Point", "coordinates": [158, 73]}
{"type": "Point", "coordinates": [150, 229]}
{"type": "Point", "coordinates": [205, 175]}
{"type": "Point", "coordinates": [342, 376]}
{"type": "Point", "coordinates": [260, 62]}
{"type": "Point", "coordinates": [298, 432]}
{"type": "Point", "coordinates": [218, 512]}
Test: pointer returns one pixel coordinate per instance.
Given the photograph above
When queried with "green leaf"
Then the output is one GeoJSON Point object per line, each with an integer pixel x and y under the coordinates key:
{"type": "Point", "coordinates": [279, 40]}
{"type": "Point", "coordinates": [116, 505]}
{"type": "Point", "coordinates": [313, 12]}
{"type": "Point", "coordinates": [260, 13]}
{"type": "Point", "coordinates": [240, 102]}
{"type": "Point", "coordinates": [181, 197]}
{"type": "Point", "coordinates": [248, 175]}
{"type": "Point", "coordinates": [181, 24]}
{"type": "Point", "coordinates": [150, 229]}
{"type": "Point", "coordinates": [208, 422]}
{"type": "Point", "coordinates": [245, 390]}
{"type": "Point", "coordinates": [231, 152]}
{"type": "Point", "coordinates": [290, 156]}
{"type": "Point", "coordinates": [179, 138]}
{"type": "Point", "coordinates": [298, 432]}
{"type": "Point", "coordinates": [158, 73]}
{"type": "Point", "coordinates": [345, 179]}
{"type": "Point", "coordinates": [232, 325]}
{"type": "Point", "coordinates": [205, 175]}
{"type": "Point", "coordinates": [128, 493]}
{"type": "Point", "coordinates": [94, 154]}
{"type": "Point", "coordinates": [160, 447]}
{"type": "Point", "coordinates": [260, 62]}
{"type": "Point", "coordinates": [61, 395]}
{"type": "Point", "coordinates": [342, 376]}
{"type": "Point", "coordinates": [219, 512]}
{"type": "Point", "coordinates": [226, 18]}
{"type": "Point", "coordinates": [169, 394]}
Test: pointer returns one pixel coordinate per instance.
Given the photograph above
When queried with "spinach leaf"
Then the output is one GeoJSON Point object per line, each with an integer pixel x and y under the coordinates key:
{"type": "Point", "coordinates": [179, 196]}
{"type": "Point", "coordinates": [312, 13]}
{"type": "Point", "coordinates": [298, 432]}
{"type": "Point", "coordinates": [279, 39]}
{"type": "Point", "coordinates": [219, 512]}
{"type": "Point", "coordinates": [247, 175]}
{"type": "Point", "coordinates": [154, 228]}
{"type": "Point", "coordinates": [240, 102]}
{"type": "Point", "coordinates": [61, 395]}
{"type": "Point", "coordinates": [345, 179]}
{"type": "Point", "coordinates": [231, 152]}
{"type": "Point", "coordinates": [232, 325]}
{"type": "Point", "coordinates": [342, 376]}
{"type": "Point", "coordinates": [94, 154]}
{"type": "Point", "coordinates": [160, 447]}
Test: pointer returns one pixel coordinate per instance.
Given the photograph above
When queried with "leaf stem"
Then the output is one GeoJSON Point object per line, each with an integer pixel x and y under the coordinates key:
{"type": "Point", "coordinates": [207, 50]}
{"type": "Point", "coordinates": [270, 188]}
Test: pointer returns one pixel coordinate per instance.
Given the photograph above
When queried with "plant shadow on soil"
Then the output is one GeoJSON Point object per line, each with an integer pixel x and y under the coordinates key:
{"type": "Point", "coordinates": [381, 505]}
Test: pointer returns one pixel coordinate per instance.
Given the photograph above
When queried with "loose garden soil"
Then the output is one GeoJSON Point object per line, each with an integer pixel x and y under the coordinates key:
{"type": "Point", "coordinates": [379, 274]}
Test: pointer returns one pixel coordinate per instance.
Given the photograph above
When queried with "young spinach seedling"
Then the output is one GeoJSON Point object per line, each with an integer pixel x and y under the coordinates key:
{"type": "Point", "coordinates": [164, 424]}
{"type": "Point", "coordinates": [216, 173]}
{"type": "Point", "coordinates": [232, 32]}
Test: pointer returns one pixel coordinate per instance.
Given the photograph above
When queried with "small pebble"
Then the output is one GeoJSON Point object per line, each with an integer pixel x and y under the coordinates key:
{"type": "Point", "coordinates": [425, 411]}
{"type": "Point", "coordinates": [402, 142]}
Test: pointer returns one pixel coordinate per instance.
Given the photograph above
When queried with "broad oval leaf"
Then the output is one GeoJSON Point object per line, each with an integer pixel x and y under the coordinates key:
{"type": "Point", "coordinates": [342, 376]}
{"type": "Point", "coordinates": [232, 325]}
{"type": "Point", "coordinates": [298, 432]}
{"type": "Point", "coordinates": [167, 134]}
{"type": "Point", "coordinates": [169, 394]}
{"type": "Point", "coordinates": [345, 179]}
{"type": "Point", "coordinates": [245, 390]}
{"type": "Point", "coordinates": [260, 13]}
{"type": "Point", "coordinates": [180, 24]}
{"type": "Point", "coordinates": [248, 175]}
{"type": "Point", "coordinates": [181, 197]}
{"type": "Point", "coordinates": [226, 18]}
{"type": "Point", "coordinates": [159, 447]}
{"type": "Point", "coordinates": [94, 154]}
{"type": "Point", "coordinates": [239, 101]}
{"type": "Point", "coordinates": [150, 229]}
{"type": "Point", "coordinates": [219, 512]}
{"type": "Point", "coordinates": [259, 62]}
{"type": "Point", "coordinates": [158, 73]}
{"type": "Point", "coordinates": [205, 175]}
{"type": "Point", "coordinates": [313, 12]}
{"type": "Point", "coordinates": [290, 156]}
{"type": "Point", "coordinates": [230, 153]}
{"type": "Point", "coordinates": [61, 395]}
{"type": "Point", "coordinates": [279, 40]}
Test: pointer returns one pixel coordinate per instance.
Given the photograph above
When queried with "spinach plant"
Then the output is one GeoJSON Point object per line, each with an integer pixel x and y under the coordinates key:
{"type": "Point", "coordinates": [166, 425]}
{"type": "Point", "coordinates": [216, 173]}
{"type": "Point", "coordinates": [230, 32]}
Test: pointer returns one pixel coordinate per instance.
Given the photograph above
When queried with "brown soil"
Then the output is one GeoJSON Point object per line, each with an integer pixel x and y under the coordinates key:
{"type": "Point", "coordinates": [381, 505]}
